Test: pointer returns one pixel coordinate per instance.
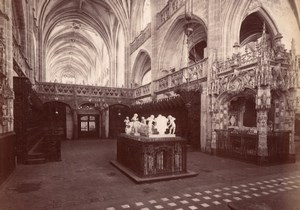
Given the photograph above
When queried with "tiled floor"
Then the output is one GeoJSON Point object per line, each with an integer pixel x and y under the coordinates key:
{"type": "Point", "coordinates": [209, 199]}
{"type": "Point", "coordinates": [85, 180]}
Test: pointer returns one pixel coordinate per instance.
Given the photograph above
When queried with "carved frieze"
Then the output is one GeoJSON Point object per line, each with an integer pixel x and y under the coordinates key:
{"type": "Point", "coordinates": [263, 99]}
{"type": "Point", "coordinates": [233, 83]}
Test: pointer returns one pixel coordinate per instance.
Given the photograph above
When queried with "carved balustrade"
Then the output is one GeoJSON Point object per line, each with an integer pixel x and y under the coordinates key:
{"type": "Point", "coordinates": [238, 60]}
{"type": "Point", "coordinates": [191, 73]}
{"type": "Point", "coordinates": [141, 38]}
{"type": "Point", "coordinates": [143, 91]}
{"type": "Point", "coordinates": [61, 91]}
{"type": "Point", "coordinates": [57, 89]}
{"type": "Point", "coordinates": [167, 12]}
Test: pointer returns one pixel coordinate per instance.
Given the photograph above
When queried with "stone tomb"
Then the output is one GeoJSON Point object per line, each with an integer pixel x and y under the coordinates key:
{"type": "Point", "coordinates": [148, 159]}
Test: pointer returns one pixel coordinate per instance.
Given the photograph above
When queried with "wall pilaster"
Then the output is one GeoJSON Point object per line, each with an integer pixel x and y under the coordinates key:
{"type": "Point", "coordinates": [204, 117]}
{"type": "Point", "coordinates": [6, 67]}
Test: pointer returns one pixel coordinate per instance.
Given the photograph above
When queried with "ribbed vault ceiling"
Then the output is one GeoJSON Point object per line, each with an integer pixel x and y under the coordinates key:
{"type": "Point", "coordinates": [79, 37]}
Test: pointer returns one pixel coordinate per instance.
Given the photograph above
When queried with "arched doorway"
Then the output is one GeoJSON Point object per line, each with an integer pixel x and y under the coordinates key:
{"type": "Point", "coordinates": [56, 117]}
{"type": "Point", "coordinates": [117, 114]}
{"type": "Point", "coordinates": [88, 121]}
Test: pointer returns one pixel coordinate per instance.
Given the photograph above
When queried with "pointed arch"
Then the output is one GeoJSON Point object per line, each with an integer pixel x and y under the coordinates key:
{"type": "Point", "coordinates": [141, 66]}
{"type": "Point", "coordinates": [237, 13]}
{"type": "Point", "coordinates": [172, 50]}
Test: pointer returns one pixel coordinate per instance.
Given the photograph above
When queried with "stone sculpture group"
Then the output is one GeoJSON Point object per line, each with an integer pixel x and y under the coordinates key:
{"type": "Point", "coordinates": [151, 126]}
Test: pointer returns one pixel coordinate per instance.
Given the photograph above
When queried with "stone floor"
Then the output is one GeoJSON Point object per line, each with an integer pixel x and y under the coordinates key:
{"type": "Point", "coordinates": [85, 179]}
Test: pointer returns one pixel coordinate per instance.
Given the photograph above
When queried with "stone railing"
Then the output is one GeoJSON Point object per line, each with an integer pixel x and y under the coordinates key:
{"type": "Point", "coordinates": [239, 60]}
{"type": "Point", "coordinates": [141, 38]}
{"type": "Point", "coordinates": [81, 90]}
{"type": "Point", "coordinates": [143, 91]}
{"type": "Point", "coordinates": [167, 12]}
{"type": "Point", "coordinates": [192, 73]}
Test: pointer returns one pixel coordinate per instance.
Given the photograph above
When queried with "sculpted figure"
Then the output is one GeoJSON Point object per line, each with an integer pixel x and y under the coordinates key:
{"type": "Point", "coordinates": [128, 125]}
{"type": "Point", "coordinates": [143, 121]}
{"type": "Point", "coordinates": [135, 124]}
{"type": "Point", "coordinates": [171, 124]}
{"type": "Point", "coordinates": [150, 123]}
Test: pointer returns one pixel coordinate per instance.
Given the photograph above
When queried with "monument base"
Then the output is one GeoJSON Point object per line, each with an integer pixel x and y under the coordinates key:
{"type": "Point", "coordinates": [149, 159]}
{"type": "Point", "coordinates": [140, 180]}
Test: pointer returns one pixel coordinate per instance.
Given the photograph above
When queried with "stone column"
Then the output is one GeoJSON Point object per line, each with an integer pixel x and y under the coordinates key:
{"type": "Point", "coordinates": [262, 118]}
{"type": "Point", "coordinates": [154, 40]}
{"type": "Point", "coordinates": [75, 124]}
{"type": "Point", "coordinates": [105, 121]}
{"type": "Point", "coordinates": [99, 124]}
{"type": "Point", "coordinates": [290, 123]}
{"type": "Point", "coordinates": [113, 68]}
{"type": "Point", "coordinates": [292, 137]}
{"type": "Point", "coordinates": [263, 104]}
{"type": "Point", "coordinates": [204, 116]}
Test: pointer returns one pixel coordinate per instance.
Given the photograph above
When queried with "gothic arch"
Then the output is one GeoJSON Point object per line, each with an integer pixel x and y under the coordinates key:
{"type": "Point", "coordinates": [173, 42]}
{"type": "Point", "coordinates": [141, 65]}
{"type": "Point", "coordinates": [236, 14]}
{"type": "Point", "coordinates": [228, 96]}
{"type": "Point", "coordinates": [59, 102]}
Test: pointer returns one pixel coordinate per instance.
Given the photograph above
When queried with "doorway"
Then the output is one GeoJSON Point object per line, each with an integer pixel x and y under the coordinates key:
{"type": "Point", "coordinates": [88, 126]}
{"type": "Point", "coordinates": [117, 114]}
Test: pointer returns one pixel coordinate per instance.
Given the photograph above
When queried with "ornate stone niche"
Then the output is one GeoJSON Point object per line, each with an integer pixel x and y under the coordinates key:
{"type": "Point", "coordinates": [242, 113]}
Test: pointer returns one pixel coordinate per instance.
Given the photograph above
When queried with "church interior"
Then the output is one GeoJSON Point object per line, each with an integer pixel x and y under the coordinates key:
{"type": "Point", "coordinates": [224, 72]}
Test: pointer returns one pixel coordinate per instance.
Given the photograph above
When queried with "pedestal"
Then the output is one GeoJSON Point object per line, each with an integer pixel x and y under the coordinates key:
{"type": "Point", "coordinates": [148, 159]}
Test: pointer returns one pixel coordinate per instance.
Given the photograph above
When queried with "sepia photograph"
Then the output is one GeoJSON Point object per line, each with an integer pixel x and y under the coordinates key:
{"type": "Point", "coordinates": [149, 104]}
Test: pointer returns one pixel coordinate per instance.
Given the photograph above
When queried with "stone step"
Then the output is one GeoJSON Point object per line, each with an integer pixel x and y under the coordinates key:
{"type": "Point", "coordinates": [36, 161]}
{"type": "Point", "coordinates": [36, 155]}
